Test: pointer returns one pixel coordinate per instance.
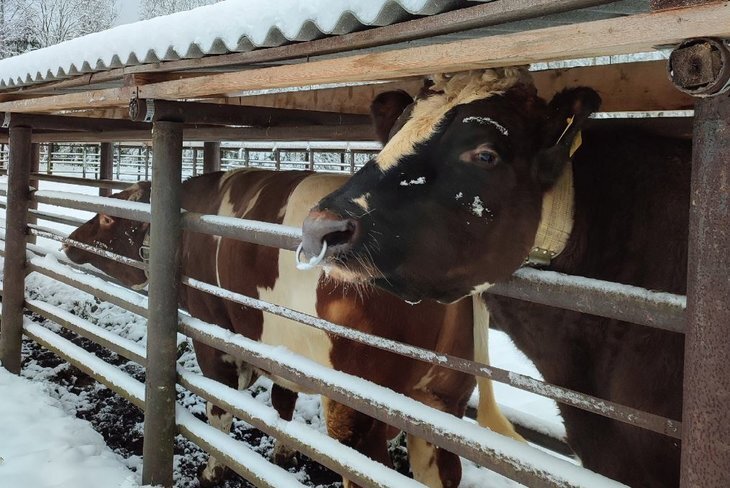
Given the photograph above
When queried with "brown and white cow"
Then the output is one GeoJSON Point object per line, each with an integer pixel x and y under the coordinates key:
{"type": "Point", "coordinates": [268, 274]}
{"type": "Point", "coordinates": [478, 177]}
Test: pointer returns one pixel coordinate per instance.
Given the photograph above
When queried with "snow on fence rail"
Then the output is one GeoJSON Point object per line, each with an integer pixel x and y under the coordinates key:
{"type": "Point", "coordinates": [490, 451]}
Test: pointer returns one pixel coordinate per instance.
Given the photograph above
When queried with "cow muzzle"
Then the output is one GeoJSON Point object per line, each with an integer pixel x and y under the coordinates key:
{"type": "Point", "coordinates": [325, 234]}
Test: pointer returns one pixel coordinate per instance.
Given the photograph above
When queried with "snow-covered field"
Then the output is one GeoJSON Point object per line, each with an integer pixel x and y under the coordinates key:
{"type": "Point", "coordinates": [40, 423]}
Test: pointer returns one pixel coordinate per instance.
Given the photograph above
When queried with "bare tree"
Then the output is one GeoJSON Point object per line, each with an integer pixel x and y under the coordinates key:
{"type": "Point", "coordinates": [61, 20]}
{"type": "Point", "coordinates": [155, 8]}
{"type": "Point", "coordinates": [16, 27]}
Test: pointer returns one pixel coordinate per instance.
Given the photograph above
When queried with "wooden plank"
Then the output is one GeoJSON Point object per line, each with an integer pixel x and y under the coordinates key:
{"type": "Point", "coordinates": [623, 87]}
{"type": "Point", "coordinates": [467, 18]}
{"type": "Point", "coordinates": [624, 35]}
{"type": "Point", "coordinates": [294, 133]}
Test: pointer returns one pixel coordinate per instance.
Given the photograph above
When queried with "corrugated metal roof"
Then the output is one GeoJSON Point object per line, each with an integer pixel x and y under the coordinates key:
{"type": "Point", "coordinates": [225, 27]}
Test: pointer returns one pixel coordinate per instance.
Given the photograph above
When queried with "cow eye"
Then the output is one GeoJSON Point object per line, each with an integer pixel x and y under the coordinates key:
{"type": "Point", "coordinates": [488, 158]}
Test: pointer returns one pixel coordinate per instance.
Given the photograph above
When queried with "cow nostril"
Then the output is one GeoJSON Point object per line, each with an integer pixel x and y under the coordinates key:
{"type": "Point", "coordinates": [341, 237]}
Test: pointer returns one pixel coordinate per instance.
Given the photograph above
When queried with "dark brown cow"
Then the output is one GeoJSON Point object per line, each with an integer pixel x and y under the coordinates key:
{"type": "Point", "coordinates": [478, 178]}
{"type": "Point", "coordinates": [269, 274]}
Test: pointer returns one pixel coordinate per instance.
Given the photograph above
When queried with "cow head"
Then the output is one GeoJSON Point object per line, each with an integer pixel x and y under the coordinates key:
{"type": "Point", "coordinates": [121, 236]}
{"type": "Point", "coordinates": [453, 201]}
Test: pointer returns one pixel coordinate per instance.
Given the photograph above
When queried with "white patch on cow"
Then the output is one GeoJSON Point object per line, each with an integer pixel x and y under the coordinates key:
{"type": "Point", "coordinates": [217, 240]}
{"type": "Point", "coordinates": [477, 207]}
{"type": "Point", "coordinates": [135, 193]}
{"type": "Point", "coordinates": [481, 288]}
{"type": "Point", "coordinates": [487, 121]}
{"type": "Point", "coordinates": [459, 196]}
{"type": "Point", "coordinates": [223, 423]}
{"type": "Point", "coordinates": [421, 180]}
{"type": "Point", "coordinates": [298, 289]}
{"type": "Point", "coordinates": [422, 456]}
{"type": "Point", "coordinates": [362, 201]}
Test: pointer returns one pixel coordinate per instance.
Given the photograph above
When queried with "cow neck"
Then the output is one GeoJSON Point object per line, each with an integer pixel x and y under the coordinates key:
{"type": "Point", "coordinates": [556, 221]}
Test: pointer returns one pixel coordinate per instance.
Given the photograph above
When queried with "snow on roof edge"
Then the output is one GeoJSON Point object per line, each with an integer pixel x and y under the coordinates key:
{"type": "Point", "coordinates": [224, 27]}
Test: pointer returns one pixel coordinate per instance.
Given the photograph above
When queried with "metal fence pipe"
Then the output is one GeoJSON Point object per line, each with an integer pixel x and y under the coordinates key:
{"type": "Point", "coordinates": [49, 234]}
{"type": "Point", "coordinates": [106, 293]}
{"type": "Point", "coordinates": [106, 374]}
{"type": "Point", "coordinates": [486, 448]}
{"type": "Point", "coordinates": [165, 234]}
{"type": "Point", "coordinates": [320, 447]}
{"type": "Point", "coordinates": [11, 328]}
{"type": "Point", "coordinates": [61, 258]}
{"type": "Point", "coordinates": [241, 459]}
{"type": "Point", "coordinates": [84, 328]}
{"type": "Point", "coordinates": [59, 219]}
{"type": "Point", "coordinates": [211, 157]}
{"type": "Point", "coordinates": [35, 161]}
{"type": "Point", "coordinates": [247, 463]}
{"type": "Point", "coordinates": [106, 166]}
{"type": "Point", "coordinates": [597, 297]}
{"type": "Point", "coordinates": [110, 206]}
{"type": "Point", "coordinates": [706, 448]}
{"type": "Point", "coordinates": [71, 180]}
{"type": "Point", "coordinates": [253, 231]}
{"type": "Point", "coordinates": [560, 394]}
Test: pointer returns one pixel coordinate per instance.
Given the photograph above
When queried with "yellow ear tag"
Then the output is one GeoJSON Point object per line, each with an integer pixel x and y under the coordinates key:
{"type": "Point", "coordinates": [577, 140]}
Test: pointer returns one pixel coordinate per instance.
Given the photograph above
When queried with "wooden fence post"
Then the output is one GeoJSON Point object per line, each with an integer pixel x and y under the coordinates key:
{"type": "Point", "coordinates": [211, 157]}
{"type": "Point", "coordinates": [106, 166]}
{"type": "Point", "coordinates": [11, 331]}
{"type": "Point", "coordinates": [165, 233]}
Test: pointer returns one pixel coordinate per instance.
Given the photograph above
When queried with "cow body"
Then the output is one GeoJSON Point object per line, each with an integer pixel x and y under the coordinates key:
{"type": "Point", "coordinates": [492, 159]}
{"type": "Point", "coordinates": [269, 274]}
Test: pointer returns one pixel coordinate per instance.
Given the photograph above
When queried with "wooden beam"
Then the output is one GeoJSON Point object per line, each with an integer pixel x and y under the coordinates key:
{"type": "Point", "coordinates": [623, 87]}
{"type": "Point", "coordinates": [483, 15]}
{"type": "Point", "coordinates": [623, 35]}
{"type": "Point", "coordinates": [301, 133]}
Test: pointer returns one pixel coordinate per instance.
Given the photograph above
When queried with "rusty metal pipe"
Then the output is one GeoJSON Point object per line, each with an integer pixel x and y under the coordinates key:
{"type": "Point", "coordinates": [16, 219]}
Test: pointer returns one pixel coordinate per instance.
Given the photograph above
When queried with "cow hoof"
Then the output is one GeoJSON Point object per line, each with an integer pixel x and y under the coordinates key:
{"type": "Point", "coordinates": [284, 456]}
{"type": "Point", "coordinates": [212, 477]}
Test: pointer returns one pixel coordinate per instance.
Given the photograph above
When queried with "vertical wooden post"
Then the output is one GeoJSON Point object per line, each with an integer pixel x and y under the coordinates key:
{"type": "Point", "coordinates": [195, 161]}
{"type": "Point", "coordinates": [277, 159]}
{"type": "Point", "coordinates": [165, 233]}
{"type": "Point", "coordinates": [49, 159]}
{"type": "Point", "coordinates": [146, 163]}
{"type": "Point", "coordinates": [211, 157]}
{"type": "Point", "coordinates": [706, 415]}
{"type": "Point", "coordinates": [83, 161]}
{"type": "Point", "coordinates": [11, 333]}
{"type": "Point", "coordinates": [310, 160]}
{"type": "Point", "coordinates": [106, 166]}
{"type": "Point", "coordinates": [246, 157]}
{"type": "Point", "coordinates": [119, 161]}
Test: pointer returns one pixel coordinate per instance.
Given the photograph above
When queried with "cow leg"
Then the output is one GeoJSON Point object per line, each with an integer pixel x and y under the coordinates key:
{"type": "Point", "coordinates": [357, 430]}
{"type": "Point", "coordinates": [488, 413]}
{"type": "Point", "coordinates": [431, 465]}
{"type": "Point", "coordinates": [215, 471]}
{"type": "Point", "coordinates": [284, 401]}
{"type": "Point", "coordinates": [233, 373]}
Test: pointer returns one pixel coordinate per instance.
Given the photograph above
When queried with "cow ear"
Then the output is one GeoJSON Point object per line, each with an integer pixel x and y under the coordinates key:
{"type": "Point", "coordinates": [385, 110]}
{"type": "Point", "coordinates": [567, 114]}
{"type": "Point", "coordinates": [105, 221]}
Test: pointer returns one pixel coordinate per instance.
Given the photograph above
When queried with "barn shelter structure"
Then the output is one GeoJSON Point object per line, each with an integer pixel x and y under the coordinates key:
{"type": "Point", "coordinates": [313, 77]}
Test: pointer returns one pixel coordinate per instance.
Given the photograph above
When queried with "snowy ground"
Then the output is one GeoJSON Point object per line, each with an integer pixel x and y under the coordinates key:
{"type": "Point", "coordinates": [71, 395]}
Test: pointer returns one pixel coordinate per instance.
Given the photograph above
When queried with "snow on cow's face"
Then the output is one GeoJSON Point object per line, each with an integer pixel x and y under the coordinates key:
{"type": "Point", "coordinates": [450, 206]}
